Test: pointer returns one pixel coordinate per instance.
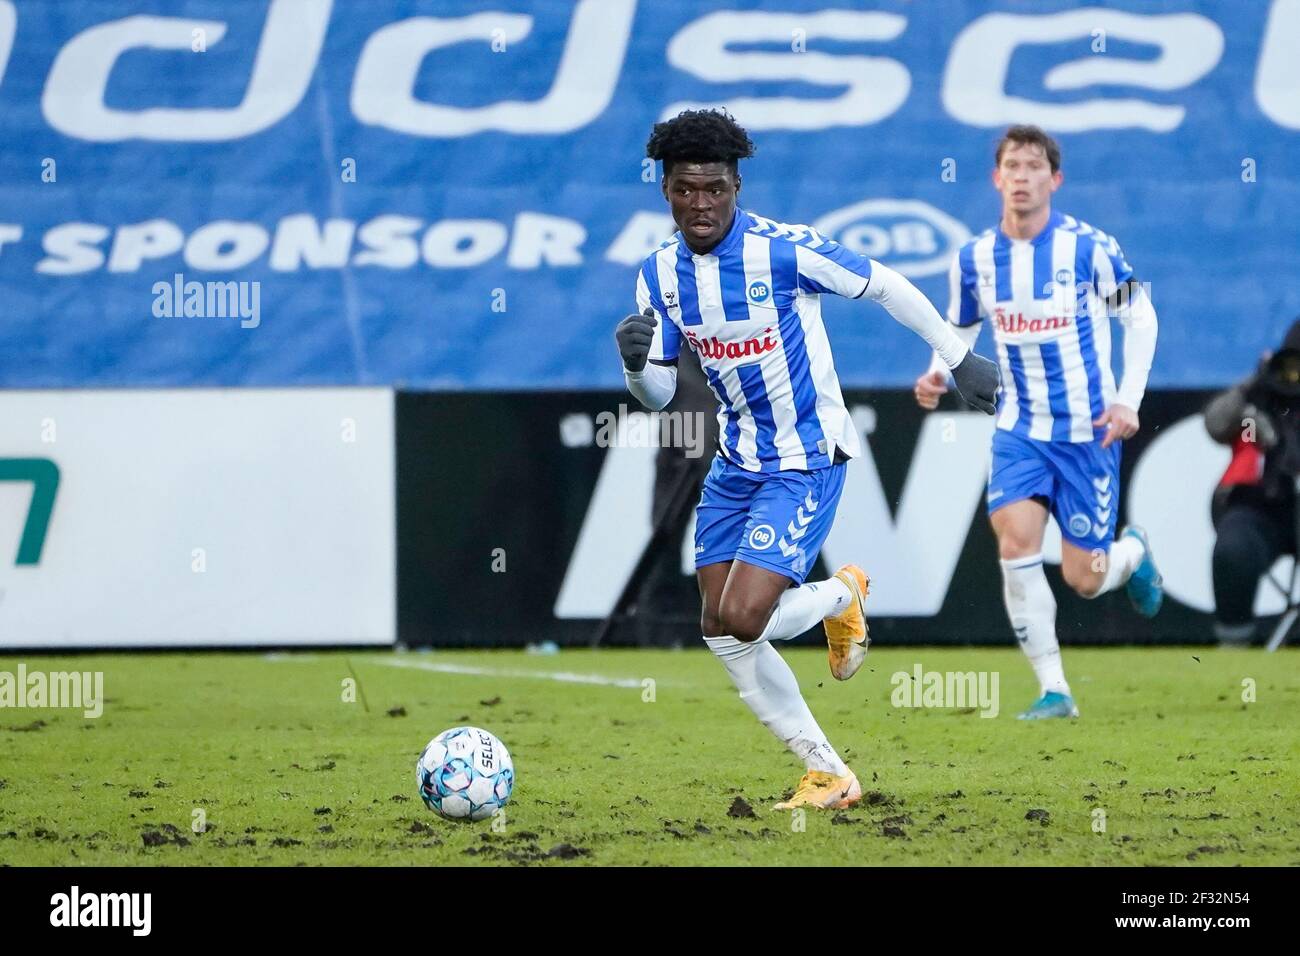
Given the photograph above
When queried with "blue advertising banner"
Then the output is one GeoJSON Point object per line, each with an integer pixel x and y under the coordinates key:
{"type": "Point", "coordinates": [452, 194]}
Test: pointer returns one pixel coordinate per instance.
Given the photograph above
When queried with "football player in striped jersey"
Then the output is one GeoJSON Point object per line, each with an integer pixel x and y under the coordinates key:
{"type": "Point", "coordinates": [1050, 284]}
{"type": "Point", "coordinates": [743, 292]}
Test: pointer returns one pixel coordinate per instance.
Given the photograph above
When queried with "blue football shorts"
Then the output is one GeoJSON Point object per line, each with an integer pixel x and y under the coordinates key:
{"type": "Point", "coordinates": [1080, 481]}
{"type": "Point", "coordinates": [773, 519]}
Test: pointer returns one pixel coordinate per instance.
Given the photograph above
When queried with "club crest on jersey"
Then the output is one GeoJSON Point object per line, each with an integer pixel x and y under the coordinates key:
{"type": "Point", "coordinates": [1063, 276]}
{"type": "Point", "coordinates": [715, 348]}
{"type": "Point", "coordinates": [759, 292]}
{"type": "Point", "coordinates": [1080, 525]}
{"type": "Point", "coordinates": [762, 537]}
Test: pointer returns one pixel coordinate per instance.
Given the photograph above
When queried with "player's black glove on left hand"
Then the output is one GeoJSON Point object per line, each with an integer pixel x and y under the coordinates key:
{"type": "Point", "coordinates": [634, 335]}
{"type": "Point", "coordinates": [977, 380]}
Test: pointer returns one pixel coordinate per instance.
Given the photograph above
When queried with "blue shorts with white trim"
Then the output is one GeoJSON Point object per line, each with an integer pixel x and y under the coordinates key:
{"type": "Point", "coordinates": [1080, 481]}
{"type": "Point", "coordinates": [773, 519]}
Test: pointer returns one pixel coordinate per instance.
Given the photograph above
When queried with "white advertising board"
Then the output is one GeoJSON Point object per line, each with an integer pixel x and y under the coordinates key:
{"type": "Point", "coordinates": [197, 517]}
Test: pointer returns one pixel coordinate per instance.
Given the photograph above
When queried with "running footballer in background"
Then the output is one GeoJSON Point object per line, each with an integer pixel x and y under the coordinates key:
{"type": "Point", "coordinates": [744, 293]}
{"type": "Point", "coordinates": [1051, 284]}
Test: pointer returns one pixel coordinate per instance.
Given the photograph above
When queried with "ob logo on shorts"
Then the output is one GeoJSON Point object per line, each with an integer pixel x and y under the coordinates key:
{"type": "Point", "coordinates": [761, 537]}
{"type": "Point", "coordinates": [1080, 525]}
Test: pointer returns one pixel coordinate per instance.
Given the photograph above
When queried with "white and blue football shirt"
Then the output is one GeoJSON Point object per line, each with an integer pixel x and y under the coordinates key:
{"type": "Point", "coordinates": [751, 310]}
{"type": "Point", "coordinates": [1047, 299]}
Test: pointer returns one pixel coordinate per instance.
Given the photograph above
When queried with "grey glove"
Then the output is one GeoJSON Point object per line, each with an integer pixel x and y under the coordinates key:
{"type": "Point", "coordinates": [977, 381]}
{"type": "Point", "coordinates": [634, 335]}
{"type": "Point", "coordinates": [1229, 413]}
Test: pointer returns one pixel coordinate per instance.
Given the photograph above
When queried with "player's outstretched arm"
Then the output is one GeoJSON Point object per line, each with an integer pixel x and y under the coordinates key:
{"type": "Point", "coordinates": [965, 320]}
{"type": "Point", "coordinates": [976, 377]}
{"type": "Point", "coordinates": [651, 384]}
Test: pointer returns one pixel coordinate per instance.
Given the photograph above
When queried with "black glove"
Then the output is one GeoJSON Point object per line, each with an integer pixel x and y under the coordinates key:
{"type": "Point", "coordinates": [634, 335]}
{"type": "Point", "coordinates": [977, 380]}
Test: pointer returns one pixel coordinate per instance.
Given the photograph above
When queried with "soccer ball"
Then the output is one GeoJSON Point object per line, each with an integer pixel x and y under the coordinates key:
{"type": "Point", "coordinates": [465, 774]}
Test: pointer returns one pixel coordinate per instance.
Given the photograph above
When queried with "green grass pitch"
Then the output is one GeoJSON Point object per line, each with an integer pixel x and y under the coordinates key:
{"type": "Point", "coordinates": [265, 752]}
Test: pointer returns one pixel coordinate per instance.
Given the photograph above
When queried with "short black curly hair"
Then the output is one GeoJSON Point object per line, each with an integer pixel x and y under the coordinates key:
{"type": "Point", "coordinates": [699, 136]}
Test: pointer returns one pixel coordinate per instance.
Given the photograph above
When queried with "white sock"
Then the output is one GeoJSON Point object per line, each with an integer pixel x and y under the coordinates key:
{"type": "Point", "coordinates": [802, 607]}
{"type": "Point", "coordinates": [1032, 610]}
{"type": "Point", "coordinates": [768, 687]}
{"type": "Point", "coordinates": [1121, 561]}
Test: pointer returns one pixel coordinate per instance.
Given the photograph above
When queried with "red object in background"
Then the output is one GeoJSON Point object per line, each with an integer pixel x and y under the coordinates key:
{"type": "Point", "coordinates": [1246, 467]}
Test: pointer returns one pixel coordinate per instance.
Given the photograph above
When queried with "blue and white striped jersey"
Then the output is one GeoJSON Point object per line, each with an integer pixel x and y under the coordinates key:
{"type": "Point", "coordinates": [751, 310]}
{"type": "Point", "coordinates": [1047, 298]}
